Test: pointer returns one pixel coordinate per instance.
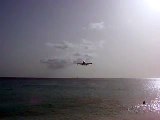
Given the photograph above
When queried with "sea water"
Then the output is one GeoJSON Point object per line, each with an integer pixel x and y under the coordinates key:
{"type": "Point", "coordinates": [79, 99]}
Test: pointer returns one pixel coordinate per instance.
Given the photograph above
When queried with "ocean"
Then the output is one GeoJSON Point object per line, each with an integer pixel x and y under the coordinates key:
{"type": "Point", "coordinates": [79, 99]}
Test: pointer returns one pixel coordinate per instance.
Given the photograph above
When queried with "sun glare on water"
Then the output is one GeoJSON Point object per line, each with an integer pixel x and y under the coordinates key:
{"type": "Point", "coordinates": [154, 5]}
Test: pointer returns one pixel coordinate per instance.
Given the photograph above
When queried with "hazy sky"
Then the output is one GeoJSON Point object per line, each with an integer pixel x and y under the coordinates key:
{"type": "Point", "coordinates": [44, 38]}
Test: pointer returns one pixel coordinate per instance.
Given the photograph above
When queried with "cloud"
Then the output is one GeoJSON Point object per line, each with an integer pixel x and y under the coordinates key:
{"type": "Point", "coordinates": [57, 63]}
{"type": "Point", "coordinates": [60, 63]}
{"type": "Point", "coordinates": [49, 44]}
{"type": "Point", "coordinates": [78, 60]}
{"type": "Point", "coordinates": [88, 57]}
{"type": "Point", "coordinates": [84, 46]}
{"type": "Point", "coordinates": [77, 54]}
{"type": "Point", "coordinates": [71, 53]}
{"type": "Point", "coordinates": [61, 46]}
{"type": "Point", "coordinates": [66, 45]}
{"type": "Point", "coordinates": [97, 26]}
{"type": "Point", "coordinates": [83, 57]}
{"type": "Point", "coordinates": [90, 46]}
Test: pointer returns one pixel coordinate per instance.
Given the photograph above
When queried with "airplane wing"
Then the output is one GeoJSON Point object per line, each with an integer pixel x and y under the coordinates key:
{"type": "Point", "coordinates": [83, 63]}
{"type": "Point", "coordinates": [88, 63]}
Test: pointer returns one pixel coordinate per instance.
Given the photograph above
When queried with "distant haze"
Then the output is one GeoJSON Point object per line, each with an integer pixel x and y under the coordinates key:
{"type": "Point", "coordinates": [45, 38]}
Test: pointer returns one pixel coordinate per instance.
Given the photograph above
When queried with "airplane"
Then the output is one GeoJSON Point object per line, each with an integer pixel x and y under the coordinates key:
{"type": "Point", "coordinates": [84, 63]}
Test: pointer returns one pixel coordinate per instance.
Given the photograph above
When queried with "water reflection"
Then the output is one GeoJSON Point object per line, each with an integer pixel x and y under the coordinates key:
{"type": "Point", "coordinates": [154, 83]}
{"type": "Point", "coordinates": [153, 106]}
{"type": "Point", "coordinates": [153, 95]}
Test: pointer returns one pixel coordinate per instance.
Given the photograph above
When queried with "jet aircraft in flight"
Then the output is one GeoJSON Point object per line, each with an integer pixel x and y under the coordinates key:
{"type": "Point", "coordinates": [84, 63]}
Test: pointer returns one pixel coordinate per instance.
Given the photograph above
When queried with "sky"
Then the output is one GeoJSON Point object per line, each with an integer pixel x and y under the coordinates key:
{"type": "Point", "coordinates": [45, 38]}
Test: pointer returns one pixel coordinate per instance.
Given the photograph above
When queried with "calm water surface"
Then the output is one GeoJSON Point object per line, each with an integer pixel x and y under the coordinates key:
{"type": "Point", "coordinates": [76, 99]}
